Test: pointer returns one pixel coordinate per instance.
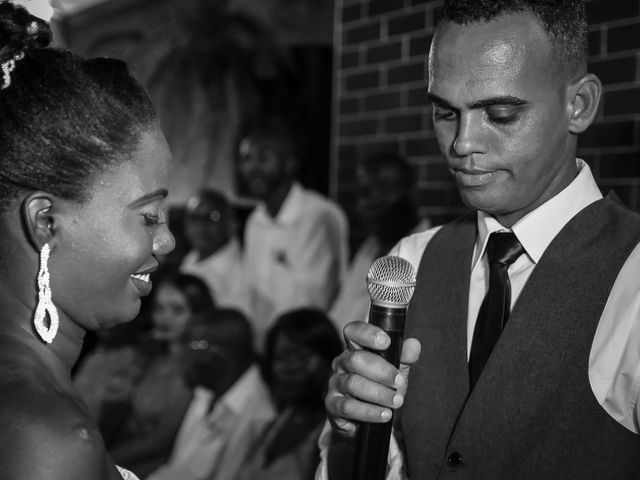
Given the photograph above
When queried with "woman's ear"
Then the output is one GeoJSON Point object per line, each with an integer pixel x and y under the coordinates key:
{"type": "Point", "coordinates": [585, 98]}
{"type": "Point", "coordinates": [38, 218]}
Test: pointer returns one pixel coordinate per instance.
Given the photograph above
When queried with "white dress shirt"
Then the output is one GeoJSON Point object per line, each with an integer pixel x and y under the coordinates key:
{"type": "Point", "coordinates": [212, 444]}
{"type": "Point", "coordinates": [223, 271]}
{"type": "Point", "coordinates": [614, 361]}
{"type": "Point", "coordinates": [297, 259]}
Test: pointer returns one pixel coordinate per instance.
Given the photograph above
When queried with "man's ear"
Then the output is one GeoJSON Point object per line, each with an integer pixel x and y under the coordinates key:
{"type": "Point", "coordinates": [584, 94]}
{"type": "Point", "coordinates": [38, 218]}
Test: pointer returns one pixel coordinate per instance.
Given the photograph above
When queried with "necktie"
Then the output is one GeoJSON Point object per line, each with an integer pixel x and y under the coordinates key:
{"type": "Point", "coordinates": [503, 248]}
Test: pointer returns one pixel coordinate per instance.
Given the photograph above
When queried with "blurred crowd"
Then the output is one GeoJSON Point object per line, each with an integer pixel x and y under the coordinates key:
{"type": "Point", "coordinates": [222, 374]}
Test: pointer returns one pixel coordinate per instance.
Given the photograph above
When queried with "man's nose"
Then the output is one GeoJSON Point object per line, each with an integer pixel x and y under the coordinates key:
{"type": "Point", "coordinates": [469, 138]}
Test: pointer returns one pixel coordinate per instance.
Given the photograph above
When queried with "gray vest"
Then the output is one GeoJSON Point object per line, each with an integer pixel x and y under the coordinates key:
{"type": "Point", "coordinates": [532, 414]}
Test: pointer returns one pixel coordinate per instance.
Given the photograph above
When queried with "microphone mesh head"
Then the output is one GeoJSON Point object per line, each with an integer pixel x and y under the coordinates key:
{"type": "Point", "coordinates": [391, 282]}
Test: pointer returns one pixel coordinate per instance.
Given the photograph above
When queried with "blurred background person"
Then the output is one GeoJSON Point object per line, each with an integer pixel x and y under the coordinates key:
{"type": "Point", "coordinates": [296, 240]}
{"type": "Point", "coordinates": [107, 374]}
{"type": "Point", "coordinates": [231, 404]}
{"type": "Point", "coordinates": [210, 229]}
{"type": "Point", "coordinates": [299, 349]}
{"type": "Point", "coordinates": [387, 210]}
{"type": "Point", "coordinates": [157, 403]}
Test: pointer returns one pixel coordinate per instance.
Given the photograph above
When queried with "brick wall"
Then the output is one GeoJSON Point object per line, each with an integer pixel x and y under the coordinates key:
{"type": "Point", "coordinates": [612, 144]}
{"type": "Point", "coordinates": [380, 102]}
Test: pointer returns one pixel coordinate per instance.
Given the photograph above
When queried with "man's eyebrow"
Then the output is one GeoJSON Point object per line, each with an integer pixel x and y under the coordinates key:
{"type": "Point", "coordinates": [504, 100]}
{"type": "Point", "coordinates": [160, 193]}
{"type": "Point", "coordinates": [487, 102]}
{"type": "Point", "coordinates": [436, 99]}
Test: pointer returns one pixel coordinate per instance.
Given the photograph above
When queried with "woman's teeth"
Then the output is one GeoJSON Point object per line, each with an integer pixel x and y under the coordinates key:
{"type": "Point", "coordinates": [142, 276]}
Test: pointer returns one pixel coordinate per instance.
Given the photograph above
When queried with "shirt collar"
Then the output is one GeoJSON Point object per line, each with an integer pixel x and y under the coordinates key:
{"type": "Point", "coordinates": [538, 228]}
{"type": "Point", "coordinates": [241, 392]}
{"type": "Point", "coordinates": [290, 210]}
{"type": "Point", "coordinates": [226, 254]}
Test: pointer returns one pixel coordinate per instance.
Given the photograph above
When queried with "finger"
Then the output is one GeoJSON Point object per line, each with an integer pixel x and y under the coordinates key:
{"type": "Point", "coordinates": [342, 426]}
{"type": "Point", "coordinates": [344, 410]}
{"type": "Point", "coordinates": [369, 365]}
{"type": "Point", "coordinates": [358, 335]}
{"type": "Point", "coordinates": [365, 390]}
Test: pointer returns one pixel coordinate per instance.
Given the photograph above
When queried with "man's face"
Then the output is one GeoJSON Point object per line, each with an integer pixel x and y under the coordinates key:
{"type": "Point", "coordinates": [263, 166]}
{"type": "Point", "coordinates": [501, 114]}
{"type": "Point", "coordinates": [206, 359]}
{"type": "Point", "coordinates": [206, 226]}
{"type": "Point", "coordinates": [378, 190]}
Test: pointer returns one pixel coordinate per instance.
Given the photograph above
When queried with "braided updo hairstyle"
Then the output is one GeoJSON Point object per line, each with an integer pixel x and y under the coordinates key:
{"type": "Point", "coordinates": [63, 119]}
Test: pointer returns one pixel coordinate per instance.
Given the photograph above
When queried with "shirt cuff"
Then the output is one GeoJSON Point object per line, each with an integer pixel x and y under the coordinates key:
{"type": "Point", "coordinates": [395, 462]}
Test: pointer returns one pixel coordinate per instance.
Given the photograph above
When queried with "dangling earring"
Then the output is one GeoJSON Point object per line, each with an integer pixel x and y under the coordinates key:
{"type": "Point", "coordinates": [45, 304]}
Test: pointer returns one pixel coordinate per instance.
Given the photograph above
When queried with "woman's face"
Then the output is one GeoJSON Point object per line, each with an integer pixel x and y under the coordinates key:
{"type": "Point", "coordinates": [299, 373]}
{"type": "Point", "coordinates": [103, 249]}
{"type": "Point", "coordinates": [170, 313]}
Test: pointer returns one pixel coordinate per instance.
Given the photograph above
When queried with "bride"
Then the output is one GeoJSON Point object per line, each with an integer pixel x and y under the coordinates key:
{"type": "Point", "coordinates": [84, 174]}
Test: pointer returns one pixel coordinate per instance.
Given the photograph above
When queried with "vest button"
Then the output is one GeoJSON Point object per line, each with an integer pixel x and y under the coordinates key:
{"type": "Point", "coordinates": [454, 459]}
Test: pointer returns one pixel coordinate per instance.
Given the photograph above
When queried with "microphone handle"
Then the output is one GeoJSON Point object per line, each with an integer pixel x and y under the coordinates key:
{"type": "Point", "coordinates": [372, 439]}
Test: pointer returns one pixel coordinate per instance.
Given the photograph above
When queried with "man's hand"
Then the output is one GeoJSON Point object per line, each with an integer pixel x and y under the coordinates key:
{"type": "Point", "coordinates": [365, 387]}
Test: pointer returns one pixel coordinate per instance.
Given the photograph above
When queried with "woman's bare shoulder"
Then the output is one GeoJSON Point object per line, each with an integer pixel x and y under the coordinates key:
{"type": "Point", "coordinates": [45, 432]}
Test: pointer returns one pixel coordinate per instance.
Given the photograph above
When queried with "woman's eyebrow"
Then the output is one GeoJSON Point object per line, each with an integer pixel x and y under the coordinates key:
{"type": "Point", "coordinates": [161, 193]}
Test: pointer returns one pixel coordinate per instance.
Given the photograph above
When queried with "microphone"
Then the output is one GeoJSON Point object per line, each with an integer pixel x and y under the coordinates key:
{"type": "Point", "coordinates": [391, 281]}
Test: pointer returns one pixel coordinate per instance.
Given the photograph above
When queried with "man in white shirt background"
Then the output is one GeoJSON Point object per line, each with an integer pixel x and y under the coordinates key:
{"type": "Point", "coordinates": [231, 404]}
{"type": "Point", "coordinates": [296, 240]}
{"type": "Point", "coordinates": [551, 391]}
{"type": "Point", "coordinates": [210, 228]}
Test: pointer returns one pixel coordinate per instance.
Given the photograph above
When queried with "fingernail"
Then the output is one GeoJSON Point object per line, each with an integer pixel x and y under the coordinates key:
{"type": "Point", "coordinates": [386, 414]}
{"type": "Point", "coordinates": [397, 400]}
{"type": "Point", "coordinates": [399, 381]}
{"type": "Point", "coordinates": [381, 339]}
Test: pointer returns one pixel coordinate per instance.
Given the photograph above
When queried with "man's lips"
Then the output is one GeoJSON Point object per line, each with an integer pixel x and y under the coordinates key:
{"type": "Point", "coordinates": [473, 177]}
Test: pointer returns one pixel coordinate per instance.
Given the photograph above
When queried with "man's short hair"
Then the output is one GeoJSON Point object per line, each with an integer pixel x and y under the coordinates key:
{"type": "Point", "coordinates": [565, 21]}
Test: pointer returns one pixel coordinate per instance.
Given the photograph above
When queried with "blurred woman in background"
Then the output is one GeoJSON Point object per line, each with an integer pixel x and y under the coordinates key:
{"type": "Point", "coordinates": [299, 350]}
{"type": "Point", "coordinates": [157, 403]}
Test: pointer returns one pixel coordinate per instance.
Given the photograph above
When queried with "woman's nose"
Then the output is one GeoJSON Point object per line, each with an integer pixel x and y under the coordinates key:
{"type": "Point", "coordinates": [164, 241]}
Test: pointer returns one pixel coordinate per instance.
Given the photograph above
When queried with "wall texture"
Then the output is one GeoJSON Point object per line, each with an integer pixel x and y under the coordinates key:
{"type": "Point", "coordinates": [380, 102]}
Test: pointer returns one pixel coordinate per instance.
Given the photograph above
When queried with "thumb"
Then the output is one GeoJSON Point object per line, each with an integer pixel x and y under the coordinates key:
{"type": "Point", "coordinates": [410, 354]}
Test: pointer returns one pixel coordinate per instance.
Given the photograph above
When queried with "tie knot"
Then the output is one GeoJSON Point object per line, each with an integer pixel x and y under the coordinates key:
{"type": "Point", "coordinates": [504, 248]}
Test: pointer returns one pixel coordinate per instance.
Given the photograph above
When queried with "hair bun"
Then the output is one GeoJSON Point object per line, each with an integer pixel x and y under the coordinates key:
{"type": "Point", "coordinates": [21, 31]}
